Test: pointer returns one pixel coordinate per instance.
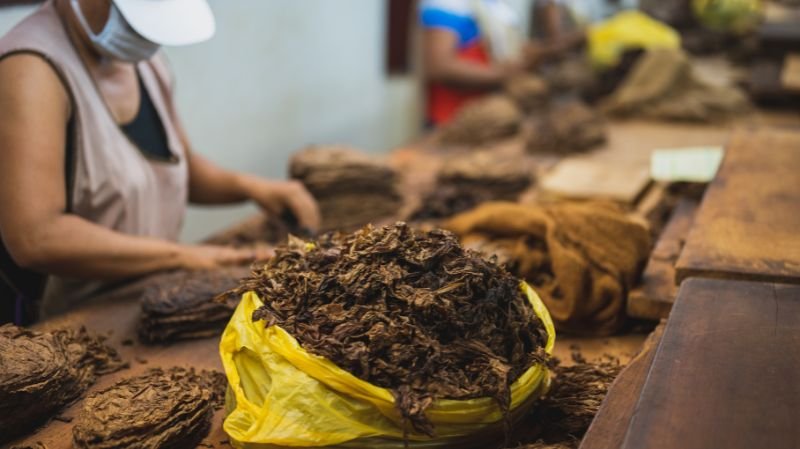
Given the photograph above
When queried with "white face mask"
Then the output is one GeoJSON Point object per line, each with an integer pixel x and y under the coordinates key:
{"type": "Point", "coordinates": [117, 39]}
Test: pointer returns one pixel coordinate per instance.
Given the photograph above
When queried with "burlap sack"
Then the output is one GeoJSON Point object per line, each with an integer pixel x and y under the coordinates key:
{"type": "Point", "coordinates": [582, 258]}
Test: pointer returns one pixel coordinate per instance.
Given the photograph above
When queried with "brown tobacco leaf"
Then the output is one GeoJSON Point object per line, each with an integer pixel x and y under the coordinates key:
{"type": "Point", "coordinates": [568, 128]}
{"type": "Point", "coordinates": [180, 305]}
{"type": "Point", "coordinates": [481, 121]}
{"type": "Point", "coordinates": [561, 419]}
{"type": "Point", "coordinates": [406, 310]}
{"type": "Point", "coordinates": [466, 181]}
{"type": "Point", "coordinates": [159, 409]}
{"type": "Point", "coordinates": [351, 188]}
{"type": "Point", "coordinates": [530, 92]}
{"type": "Point", "coordinates": [42, 372]}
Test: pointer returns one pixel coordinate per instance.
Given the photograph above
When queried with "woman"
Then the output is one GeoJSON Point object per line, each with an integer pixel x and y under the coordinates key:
{"type": "Point", "coordinates": [96, 168]}
{"type": "Point", "coordinates": [471, 47]}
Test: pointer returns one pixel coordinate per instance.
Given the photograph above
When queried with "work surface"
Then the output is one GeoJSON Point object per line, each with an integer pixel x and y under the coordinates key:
{"type": "Point", "coordinates": [116, 315]}
{"type": "Point", "coordinates": [629, 146]}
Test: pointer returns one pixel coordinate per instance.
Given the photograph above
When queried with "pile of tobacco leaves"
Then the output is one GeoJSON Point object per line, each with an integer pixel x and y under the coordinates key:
{"type": "Point", "coordinates": [406, 310]}
{"type": "Point", "coordinates": [159, 409]}
{"type": "Point", "coordinates": [560, 420]}
{"type": "Point", "coordinates": [180, 305]}
{"type": "Point", "coordinates": [351, 188]}
{"type": "Point", "coordinates": [41, 372]}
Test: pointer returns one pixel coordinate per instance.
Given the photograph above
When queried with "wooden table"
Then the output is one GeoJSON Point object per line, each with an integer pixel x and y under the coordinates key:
{"type": "Point", "coordinates": [116, 315]}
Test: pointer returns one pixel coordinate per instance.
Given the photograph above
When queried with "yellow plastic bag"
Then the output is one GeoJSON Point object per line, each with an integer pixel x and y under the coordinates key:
{"type": "Point", "coordinates": [281, 395]}
{"type": "Point", "coordinates": [628, 30]}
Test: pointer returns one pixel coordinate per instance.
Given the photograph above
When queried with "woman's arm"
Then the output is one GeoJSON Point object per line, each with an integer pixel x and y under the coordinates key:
{"type": "Point", "coordinates": [443, 64]}
{"type": "Point", "coordinates": [211, 184]}
{"type": "Point", "coordinates": [34, 110]}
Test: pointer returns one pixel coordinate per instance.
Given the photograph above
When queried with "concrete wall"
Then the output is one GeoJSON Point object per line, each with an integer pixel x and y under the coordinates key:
{"type": "Point", "coordinates": [283, 74]}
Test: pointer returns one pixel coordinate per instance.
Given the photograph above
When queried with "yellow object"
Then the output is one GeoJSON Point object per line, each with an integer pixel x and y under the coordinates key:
{"type": "Point", "coordinates": [626, 31]}
{"type": "Point", "coordinates": [281, 395]}
{"type": "Point", "coordinates": [737, 16]}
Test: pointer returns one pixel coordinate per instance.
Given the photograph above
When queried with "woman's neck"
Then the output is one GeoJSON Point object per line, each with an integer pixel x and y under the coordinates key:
{"type": "Point", "coordinates": [82, 42]}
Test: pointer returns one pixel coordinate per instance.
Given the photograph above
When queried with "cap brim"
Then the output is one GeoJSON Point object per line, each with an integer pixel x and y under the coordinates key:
{"type": "Point", "coordinates": [169, 22]}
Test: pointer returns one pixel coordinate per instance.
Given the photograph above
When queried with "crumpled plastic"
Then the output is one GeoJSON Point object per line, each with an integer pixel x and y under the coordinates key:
{"type": "Point", "coordinates": [628, 30]}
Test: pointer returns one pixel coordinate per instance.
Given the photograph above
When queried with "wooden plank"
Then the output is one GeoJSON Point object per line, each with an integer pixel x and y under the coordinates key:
{"type": "Point", "coordinates": [725, 374]}
{"type": "Point", "coordinates": [597, 179]}
{"type": "Point", "coordinates": [611, 422]}
{"type": "Point", "coordinates": [653, 299]}
{"type": "Point", "coordinates": [748, 224]}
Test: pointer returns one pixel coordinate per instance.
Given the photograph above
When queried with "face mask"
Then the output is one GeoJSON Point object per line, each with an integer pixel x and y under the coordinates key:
{"type": "Point", "coordinates": [117, 40]}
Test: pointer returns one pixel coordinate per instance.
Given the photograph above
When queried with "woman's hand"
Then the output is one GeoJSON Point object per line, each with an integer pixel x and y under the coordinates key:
{"type": "Point", "coordinates": [277, 197]}
{"type": "Point", "coordinates": [202, 257]}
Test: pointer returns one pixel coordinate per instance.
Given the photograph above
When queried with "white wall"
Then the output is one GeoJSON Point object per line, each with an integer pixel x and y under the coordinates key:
{"type": "Point", "coordinates": [283, 74]}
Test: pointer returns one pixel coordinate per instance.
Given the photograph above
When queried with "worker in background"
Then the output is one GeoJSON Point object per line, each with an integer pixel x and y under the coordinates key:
{"type": "Point", "coordinates": [96, 167]}
{"type": "Point", "coordinates": [471, 47]}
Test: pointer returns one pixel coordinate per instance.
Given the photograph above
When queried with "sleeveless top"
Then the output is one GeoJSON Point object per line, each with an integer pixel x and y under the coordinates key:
{"type": "Point", "coordinates": [113, 183]}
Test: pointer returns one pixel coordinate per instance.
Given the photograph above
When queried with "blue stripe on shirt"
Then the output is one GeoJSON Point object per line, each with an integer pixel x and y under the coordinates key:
{"type": "Point", "coordinates": [465, 27]}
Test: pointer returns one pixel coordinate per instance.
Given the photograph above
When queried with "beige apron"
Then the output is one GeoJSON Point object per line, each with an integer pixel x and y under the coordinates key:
{"type": "Point", "coordinates": [114, 183]}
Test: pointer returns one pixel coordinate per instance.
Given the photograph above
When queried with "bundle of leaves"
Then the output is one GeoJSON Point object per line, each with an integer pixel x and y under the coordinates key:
{"type": "Point", "coordinates": [485, 120]}
{"type": "Point", "coordinates": [351, 188]}
{"type": "Point", "coordinates": [159, 409]}
{"type": "Point", "coordinates": [180, 305]}
{"type": "Point", "coordinates": [406, 310]}
{"type": "Point", "coordinates": [560, 420]}
{"type": "Point", "coordinates": [41, 372]}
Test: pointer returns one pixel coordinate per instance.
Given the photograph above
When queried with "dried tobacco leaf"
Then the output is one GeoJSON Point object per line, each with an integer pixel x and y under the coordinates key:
{"type": "Point", "coordinates": [159, 409]}
{"type": "Point", "coordinates": [484, 120]}
{"type": "Point", "coordinates": [568, 128]}
{"type": "Point", "coordinates": [562, 417]}
{"type": "Point", "coordinates": [530, 92]}
{"type": "Point", "coordinates": [42, 372]}
{"type": "Point", "coordinates": [466, 181]}
{"type": "Point", "coordinates": [180, 305]}
{"type": "Point", "coordinates": [351, 188]}
{"type": "Point", "coordinates": [406, 310]}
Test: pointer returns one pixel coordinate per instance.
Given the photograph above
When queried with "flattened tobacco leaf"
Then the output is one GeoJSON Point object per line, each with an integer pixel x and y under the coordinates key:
{"type": "Point", "coordinates": [42, 372]}
{"type": "Point", "coordinates": [159, 409]}
{"type": "Point", "coordinates": [180, 305]}
{"type": "Point", "coordinates": [406, 310]}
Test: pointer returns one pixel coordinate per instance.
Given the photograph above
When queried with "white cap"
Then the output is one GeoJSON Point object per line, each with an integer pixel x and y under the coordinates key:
{"type": "Point", "coordinates": [169, 22]}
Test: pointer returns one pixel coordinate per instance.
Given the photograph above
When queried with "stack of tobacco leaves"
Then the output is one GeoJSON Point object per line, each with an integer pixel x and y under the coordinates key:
{"type": "Point", "coordinates": [482, 121]}
{"type": "Point", "coordinates": [351, 188]}
{"type": "Point", "coordinates": [568, 128]}
{"type": "Point", "coordinates": [180, 305]}
{"type": "Point", "coordinates": [406, 310]}
{"type": "Point", "coordinates": [265, 229]}
{"type": "Point", "coordinates": [465, 182]}
{"type": "Point", "coordinates": [562, 417]}
{"type": "Point", "coordinates": [529, 92]}
{"type": "Point", "coordinates": [42, 372]}
{"type": "Point", "coordinates": [159, 409]}
{"type": "Point", "coordinates": [447, 200]}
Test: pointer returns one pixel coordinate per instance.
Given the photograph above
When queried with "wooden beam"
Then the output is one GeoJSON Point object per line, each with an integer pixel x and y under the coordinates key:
{"type": "Point", "coordinates": [748, 225]}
